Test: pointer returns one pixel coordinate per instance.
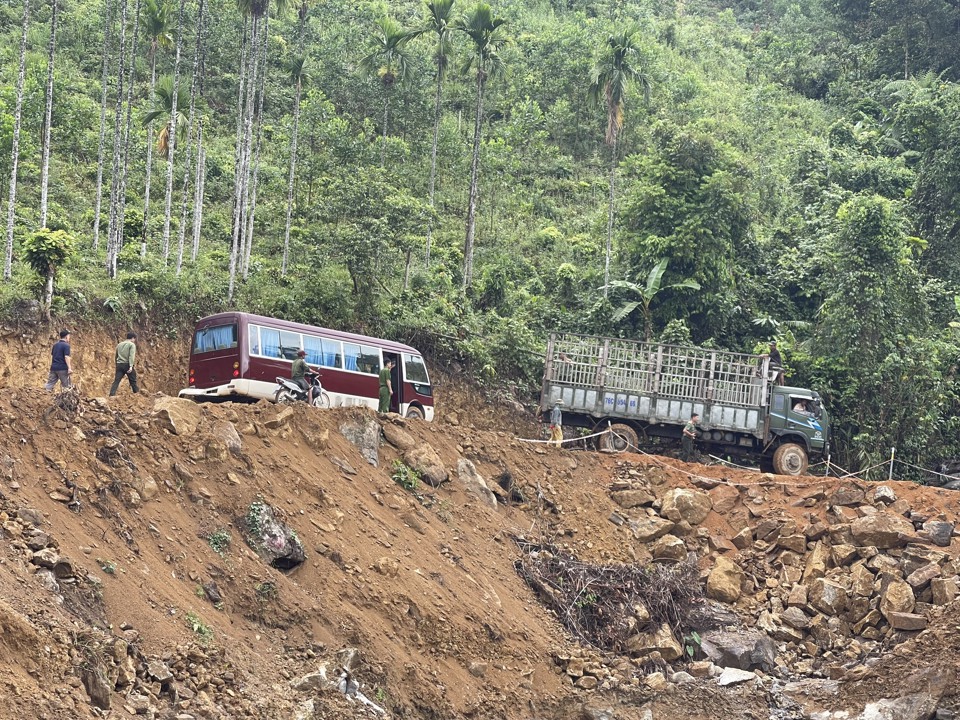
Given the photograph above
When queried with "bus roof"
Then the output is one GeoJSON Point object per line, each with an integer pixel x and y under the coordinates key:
{"type": "Point", "coordinates": [300, 327]}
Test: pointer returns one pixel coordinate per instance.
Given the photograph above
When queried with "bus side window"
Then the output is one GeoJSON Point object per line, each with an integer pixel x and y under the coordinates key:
{"type": "Point", "coordinates": [270, 340]}
{"type": "Point", "coordinates": [369, 359]}
{"type": "Point", "coordinates": [332, 354]}
{"type": "Point", "coordinates": [314, 350]}
{"type": "Point", "coordinates": [351, 356]}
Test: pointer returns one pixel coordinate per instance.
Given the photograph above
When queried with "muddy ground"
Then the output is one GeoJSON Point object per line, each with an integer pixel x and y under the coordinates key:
{"type": "Point", "coordinates": [416, 590]}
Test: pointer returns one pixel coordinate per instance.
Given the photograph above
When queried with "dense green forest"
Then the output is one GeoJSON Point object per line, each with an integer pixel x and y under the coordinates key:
{"type": "Point", "coordinates": [471, 177]}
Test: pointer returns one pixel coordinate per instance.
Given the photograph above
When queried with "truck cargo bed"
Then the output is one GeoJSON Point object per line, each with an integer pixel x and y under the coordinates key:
{"type": "Point", "coordinates": [652, 383]}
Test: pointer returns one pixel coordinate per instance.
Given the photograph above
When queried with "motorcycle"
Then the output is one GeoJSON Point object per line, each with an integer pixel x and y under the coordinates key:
{"type": "Point", "coordinates": [290, 392]}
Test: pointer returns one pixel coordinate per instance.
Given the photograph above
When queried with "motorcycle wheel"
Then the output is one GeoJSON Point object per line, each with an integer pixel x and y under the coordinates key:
{"type": "Point", "coordinates": [284, 397]}
{"type": "Point", "coordinates": [322, 400]}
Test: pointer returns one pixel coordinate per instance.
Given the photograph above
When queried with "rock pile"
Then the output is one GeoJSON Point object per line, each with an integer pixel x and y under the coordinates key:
{"type": "Point", "coordinates": [828, 580]}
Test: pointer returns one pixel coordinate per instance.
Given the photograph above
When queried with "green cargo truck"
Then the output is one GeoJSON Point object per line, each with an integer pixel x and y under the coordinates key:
{"type": "Point", "coordinates": [644, 393]}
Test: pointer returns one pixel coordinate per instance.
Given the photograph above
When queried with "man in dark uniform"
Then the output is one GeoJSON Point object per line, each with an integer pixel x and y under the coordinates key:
{"type": "Point", "coordinates": [60, 368]}
{"type": "Point", "coordinates": [689, 435]}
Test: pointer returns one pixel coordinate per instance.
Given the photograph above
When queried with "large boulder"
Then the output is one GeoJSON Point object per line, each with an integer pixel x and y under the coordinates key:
{"type": "Point", "coordinates": [660, 640]}
{"type": "Point", "coordinates": [670, 548]}
{"type": "Point", "coordinates": [897, 596]}
{"type": "Point", "coordinates": [631, 498]}
{"type": "Point", "coordinates": [398, 437]}
{"type": "Point", "coordinates": [882, 530]}
{"type": "Point", "coordinates": [744, 649]}
{"type": "Point", "coordinates": [226, 432]}
{"type": "Point", "coordinates": [177, 415]}
{"type": "Point", "coordinates": [681, 504]}
{"type": "Point", "coordinates": [474, 483]}
{"type": "Point", "coordinates": [364, 432]}
{"type": "Point", "coordinates": [827, 596]}
{"type": "Point", "coordinates": [272, 539]}
{"type": "Point", "coordinates": [425, 460]}
{"type": "Point", "coordinates": [648, 529]}
{"type": "Point", "coordinates": [725, 580]}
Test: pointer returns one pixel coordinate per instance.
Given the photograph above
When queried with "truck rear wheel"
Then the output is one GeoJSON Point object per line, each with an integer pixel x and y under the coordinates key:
{"type": "Point", "coordinates": [790, 459]}
{"type": "Point", "coordinates": [620, 438]}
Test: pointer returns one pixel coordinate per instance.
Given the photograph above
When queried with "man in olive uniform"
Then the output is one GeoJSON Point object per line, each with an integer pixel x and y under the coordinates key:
{"type": "Point", "coordinates": [689, 435]}
{"type": "Point", "coordinates": [386, 386]}
{"type": "Point", "coordinates": [298, 372]}
{"type": "Point", "coordinates": [126, 356]}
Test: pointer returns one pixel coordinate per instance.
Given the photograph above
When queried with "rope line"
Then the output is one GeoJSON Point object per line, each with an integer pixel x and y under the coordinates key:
{"type": "Point", "coordinates": [843, 473]}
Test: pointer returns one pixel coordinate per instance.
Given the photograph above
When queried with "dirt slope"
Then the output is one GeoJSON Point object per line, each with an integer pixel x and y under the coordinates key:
{"type": "Point", "coordinates": [113, 586]}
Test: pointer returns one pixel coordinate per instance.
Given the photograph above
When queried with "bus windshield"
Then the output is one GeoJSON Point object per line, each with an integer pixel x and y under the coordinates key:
{"type": "Point", "coordinates": [217, 337]}
{"type": "Point", "coordinates": [414, 370]}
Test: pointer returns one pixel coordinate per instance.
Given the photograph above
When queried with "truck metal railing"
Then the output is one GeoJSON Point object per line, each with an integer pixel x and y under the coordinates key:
{"type": "Point", "coordinates": [667, 371]}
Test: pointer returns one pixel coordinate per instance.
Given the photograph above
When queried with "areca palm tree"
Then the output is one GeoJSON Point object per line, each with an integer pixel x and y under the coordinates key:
{"type": "Point", "coordinates": [15, 155]}
{"type": "Point", "coordinates": [389, 63]}
{"type": "Point", "coordinates": [158, 27]}
{"type": "Point", "coordinates": [258, 12]}
{"type": "Point", "coordinates": [117, 139]}
{"type": "Point", "coordinates": [117, 237]}
{"type": "Point", "coordinates": [194, 76]}
{"type": "Point", "coordinates": [163, 108]}
{"type": "Point", "coordinates": [298, 76]}
{"type": "Point", "coordinates": [482, 28]}
{"type": "Point", "coordinates": [172, 134]}
{"type": "Point", "coordinates": [439, 25]}
{"type": "Point", "coordinates": [107, 23]}
{"type": "Point", "coordinates": [48, 116]}
{"type": "Point", "coordinates": [615, 72]}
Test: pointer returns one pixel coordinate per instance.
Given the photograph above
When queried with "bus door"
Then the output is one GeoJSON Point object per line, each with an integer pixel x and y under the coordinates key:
{"type": "Point", "coordinates": [395, 380]}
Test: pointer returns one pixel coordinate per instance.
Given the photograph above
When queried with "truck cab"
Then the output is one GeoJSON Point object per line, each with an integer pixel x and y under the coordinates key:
{"type": "Point", "coordinates": [797, 417]}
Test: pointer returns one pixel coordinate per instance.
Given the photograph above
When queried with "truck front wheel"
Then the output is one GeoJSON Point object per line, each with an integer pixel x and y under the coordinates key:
{"type": "Point", "coordinates": [620, 438]}
{"type": "Point", "coordinates": [790, 459]}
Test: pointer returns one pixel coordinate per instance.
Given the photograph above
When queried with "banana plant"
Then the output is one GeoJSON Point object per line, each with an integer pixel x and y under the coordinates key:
{"type": "Point", "coordinates": [647, 293]}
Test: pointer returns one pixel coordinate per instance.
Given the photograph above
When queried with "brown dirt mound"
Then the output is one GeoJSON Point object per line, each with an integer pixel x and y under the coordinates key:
{"type": "Point", "coordinates": [142, 533]}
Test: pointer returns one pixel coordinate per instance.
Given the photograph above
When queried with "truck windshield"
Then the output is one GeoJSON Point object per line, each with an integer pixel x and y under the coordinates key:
{"type": "Point", "coordinates": [217, 337]}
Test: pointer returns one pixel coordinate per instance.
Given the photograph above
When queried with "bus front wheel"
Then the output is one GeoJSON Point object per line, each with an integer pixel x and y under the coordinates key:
{"type": "Point", "coordinates": [414, 412]}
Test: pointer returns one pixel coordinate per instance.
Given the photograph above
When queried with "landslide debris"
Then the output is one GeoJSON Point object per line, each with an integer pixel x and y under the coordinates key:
{"type": "Point", "coordinates": [172, 560]}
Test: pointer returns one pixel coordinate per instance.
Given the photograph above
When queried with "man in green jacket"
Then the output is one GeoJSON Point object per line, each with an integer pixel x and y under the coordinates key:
{"type": "Point", "coordinates": [126, 356]}
{"type": "Point", "coordinates": [386, 386]}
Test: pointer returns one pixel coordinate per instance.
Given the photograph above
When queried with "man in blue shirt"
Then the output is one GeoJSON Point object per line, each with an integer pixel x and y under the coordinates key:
{"type": "Point", "coordinates": [60, 368]}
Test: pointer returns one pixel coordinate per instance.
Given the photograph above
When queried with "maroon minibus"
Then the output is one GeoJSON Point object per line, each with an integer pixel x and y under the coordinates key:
{"type": "Point", "coordinates": [236, 355]}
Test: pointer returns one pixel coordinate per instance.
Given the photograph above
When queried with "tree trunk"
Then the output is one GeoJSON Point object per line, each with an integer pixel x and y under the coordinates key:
{"type": "Point", "coordinates": [252, 211]}
{"type": "Point", "coordinates": [238, 159]}
{"type": "Point", "coordinates": [474, 189]}
{"type": "Point", "coordinates": [182, 230]}
{"type": "Point", "coordinates": [117, 116]}
{"type": "Point", "coordinates": [291, 178]}
{"type": "Point", "coordinates": [48, 292]}
{"type": "Point", "coordinates": [613, 179]}
{"type": "Point", "coordinates": [122, 204]}
{"type": "Point", "coordinates": [386, 119]}
{"type": "Point", "coordinates": [103, 123]}
{"type": "Point", "coordinates": [48, 116]}
{"type": "Point", "coordinates": [239, 214]}
{"type": "Point", "coordinates": [15, 155]}
{"type": "Point", "coordinates": [433, 160]}
{"type": "Point", "coordinates": [198, 194]}
{"type": "Point", "coordinates": [149, 170]}
{"type": "Point", "coordinates": [172, 139]}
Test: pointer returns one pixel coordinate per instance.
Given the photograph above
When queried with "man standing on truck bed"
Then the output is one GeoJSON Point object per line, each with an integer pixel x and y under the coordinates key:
{"type": "Point", "coordinates": [689, 435]}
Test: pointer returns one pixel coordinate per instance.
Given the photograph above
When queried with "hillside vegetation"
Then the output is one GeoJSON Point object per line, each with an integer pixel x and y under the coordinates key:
{"type": "Point", "coordinates": [796, 161]}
